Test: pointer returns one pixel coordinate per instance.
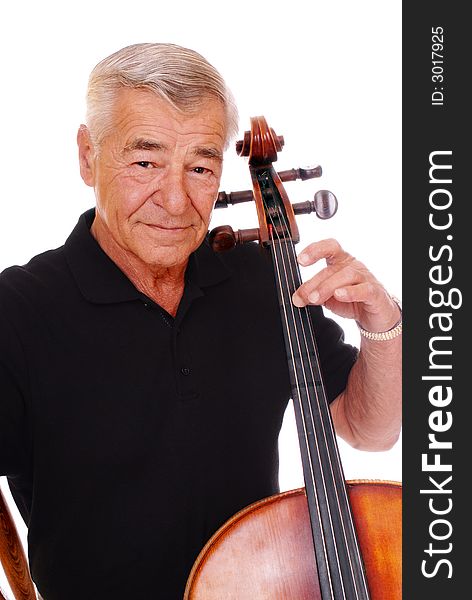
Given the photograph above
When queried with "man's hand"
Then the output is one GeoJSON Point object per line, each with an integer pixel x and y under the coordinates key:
{"type": "Point", "coordinates": [367, 414]}
{"type": "Point", "coordinates": [346, 287]}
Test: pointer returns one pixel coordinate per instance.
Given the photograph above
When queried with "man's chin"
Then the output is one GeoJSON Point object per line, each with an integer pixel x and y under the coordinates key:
{"type": "Point", "coordinates": [166, 257]}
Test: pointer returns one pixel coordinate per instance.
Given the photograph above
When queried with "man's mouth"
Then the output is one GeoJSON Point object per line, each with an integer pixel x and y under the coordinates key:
{"type": "Point", "coordinates": [168, 227]}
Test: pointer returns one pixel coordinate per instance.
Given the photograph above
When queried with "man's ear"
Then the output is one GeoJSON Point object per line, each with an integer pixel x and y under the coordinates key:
{"type": "Point", "coordinates": [86, 155]}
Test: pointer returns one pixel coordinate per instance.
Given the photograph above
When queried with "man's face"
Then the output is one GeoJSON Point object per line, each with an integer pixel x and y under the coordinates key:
{"type": "Point", "coordinates": [156, 177]}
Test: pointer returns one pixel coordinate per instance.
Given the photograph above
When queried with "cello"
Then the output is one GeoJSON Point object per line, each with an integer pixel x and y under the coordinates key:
{"type": "Point", "coordinates": [332, 539]}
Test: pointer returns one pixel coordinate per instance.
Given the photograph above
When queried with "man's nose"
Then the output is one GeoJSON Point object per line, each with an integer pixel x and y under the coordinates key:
{"type": "Point", "coordinates": [172, 194]}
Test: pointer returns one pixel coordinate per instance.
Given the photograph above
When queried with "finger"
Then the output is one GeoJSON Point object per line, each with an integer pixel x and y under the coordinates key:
{"type": "Point", "coordinates": [344, 285]}
{"type": "Point", "coordinates": [322, 286]}
{"type": "Point", "coordinates": [317, 280]}
{"type": "Point", "coordinates": [329, 249]}
{"type": "Point", "coordinates": [368, 293]}
{"type": "Point", "coordinates": [375, 307]}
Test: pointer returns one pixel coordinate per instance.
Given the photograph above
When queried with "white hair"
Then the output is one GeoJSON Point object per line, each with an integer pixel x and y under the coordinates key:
{"type": "Point", "coordinates": [178, 75]}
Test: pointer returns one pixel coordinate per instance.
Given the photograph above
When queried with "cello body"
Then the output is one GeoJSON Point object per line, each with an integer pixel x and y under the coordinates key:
{"type": "Point", "coordinates": [265, 552]}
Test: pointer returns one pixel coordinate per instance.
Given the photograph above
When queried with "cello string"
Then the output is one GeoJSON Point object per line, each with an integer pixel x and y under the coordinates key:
{"type": "Point", "coordinates": [339, 489]}
{"type": "Point", "coordinates": [346, 513]}
{"type": "Point", "coordinates": [346, 549]}
{"type": "Point", "coordinates": [307, 387]}
{"type": "Point", "coordinates": [323, 568]}
{"type": "Point", "coordinates": [337, 478]}
{"type": "Point", "coordinates": [326, 423]}
{"type": "Point", "coordinates": [328, 529]}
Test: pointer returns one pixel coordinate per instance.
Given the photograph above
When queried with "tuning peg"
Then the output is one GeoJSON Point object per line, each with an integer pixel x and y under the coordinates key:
{"type": "Point", "coordinates": [325, 205]}
{"type": "Point", "coordinates": [233, 198]}
{"type": "Point", "coordinates": [225, 238]}
{"type": "Point", "coordinates": [302, 173]}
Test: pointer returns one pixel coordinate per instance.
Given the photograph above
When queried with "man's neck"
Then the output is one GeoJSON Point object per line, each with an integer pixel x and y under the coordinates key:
{"type": "Point", "coordinates": [164, 285]}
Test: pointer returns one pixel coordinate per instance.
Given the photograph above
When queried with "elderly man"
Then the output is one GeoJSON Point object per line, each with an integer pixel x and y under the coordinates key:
{"type": "Point", "coordinates": [138, 410]}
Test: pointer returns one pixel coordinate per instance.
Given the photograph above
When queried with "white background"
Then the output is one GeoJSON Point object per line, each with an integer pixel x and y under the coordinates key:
{"type": "Point", "coordinates": [326, 75]}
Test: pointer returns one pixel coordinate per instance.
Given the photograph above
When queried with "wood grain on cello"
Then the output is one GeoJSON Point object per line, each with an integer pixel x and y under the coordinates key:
{"type": "Point", "coordinates": [266, 550]}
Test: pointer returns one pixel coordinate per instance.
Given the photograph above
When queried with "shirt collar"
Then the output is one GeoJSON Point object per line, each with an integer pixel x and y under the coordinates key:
{"type": "Point", "coordinates": [101, 281]}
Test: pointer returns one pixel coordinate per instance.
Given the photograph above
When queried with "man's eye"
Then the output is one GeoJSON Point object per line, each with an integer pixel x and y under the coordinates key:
{"type": "Point", "coordinates": [200, 170]}
{"type": "Point", "coordinates": [146, 164]}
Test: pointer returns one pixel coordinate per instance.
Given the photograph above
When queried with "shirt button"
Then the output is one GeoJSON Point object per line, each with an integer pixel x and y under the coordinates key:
{"type": "Point", "coordinates": [185, 371]}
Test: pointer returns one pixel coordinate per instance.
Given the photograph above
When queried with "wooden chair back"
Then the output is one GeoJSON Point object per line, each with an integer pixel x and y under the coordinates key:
{"type": "Point", "coordinates": [13, 558]}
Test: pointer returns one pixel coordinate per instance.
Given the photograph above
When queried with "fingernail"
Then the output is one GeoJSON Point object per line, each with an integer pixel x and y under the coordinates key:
{"type": "Point", "coordinates": [314, 297]}
{"type": "Point", "coordinates": [340, 293]}
{"type": "Point", "coordinates": [303, 259]}
{"type": "Point", "coordinates": [297, 301]}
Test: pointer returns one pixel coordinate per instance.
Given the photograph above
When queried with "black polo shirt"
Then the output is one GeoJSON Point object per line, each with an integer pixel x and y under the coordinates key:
{"type": "Point", "coordinates": [130, 436]}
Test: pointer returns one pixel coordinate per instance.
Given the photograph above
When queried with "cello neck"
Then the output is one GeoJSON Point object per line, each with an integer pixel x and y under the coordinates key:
{"type": "Point", "coordinates": [340, 568]}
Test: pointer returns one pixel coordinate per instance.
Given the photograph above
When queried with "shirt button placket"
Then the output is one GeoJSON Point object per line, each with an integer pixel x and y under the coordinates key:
{"type": "Point", "coordinates": [183, 364]}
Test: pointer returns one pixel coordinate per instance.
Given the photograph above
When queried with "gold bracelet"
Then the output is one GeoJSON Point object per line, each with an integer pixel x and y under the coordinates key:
{"type": "Point", "coordinates": [390, 334]}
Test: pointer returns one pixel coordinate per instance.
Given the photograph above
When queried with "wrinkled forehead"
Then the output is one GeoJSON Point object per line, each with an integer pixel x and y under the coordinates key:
{"type": "Point", "coordinates": [135, 106]}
